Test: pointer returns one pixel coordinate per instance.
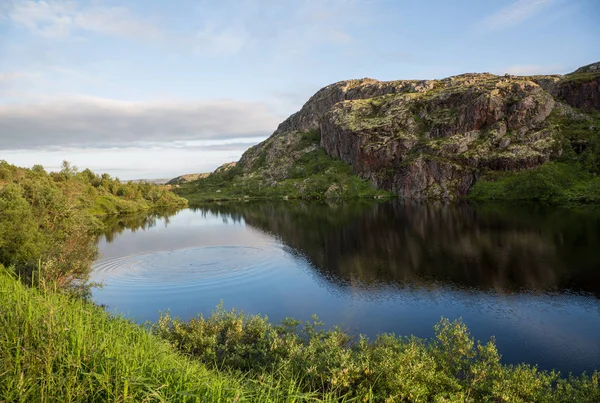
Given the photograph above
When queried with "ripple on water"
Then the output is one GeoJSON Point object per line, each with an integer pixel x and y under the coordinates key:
{"type": "Point", "coordinates": [171, 271]}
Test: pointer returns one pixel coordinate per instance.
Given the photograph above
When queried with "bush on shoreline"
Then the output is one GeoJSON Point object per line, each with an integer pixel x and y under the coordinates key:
{"type": "Point", "coordinates": [49, 224]}
{"type": "Point", "coordinates": [452, 367]}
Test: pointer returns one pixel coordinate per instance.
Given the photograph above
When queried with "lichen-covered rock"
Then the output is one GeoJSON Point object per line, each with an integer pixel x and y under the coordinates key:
{"type": "Point", "coordinates": [431, 139]}
{"type": "Point", "coordinates": [431, 145]}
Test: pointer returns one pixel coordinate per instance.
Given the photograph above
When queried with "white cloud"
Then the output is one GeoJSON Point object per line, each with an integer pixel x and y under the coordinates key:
{"type": "Point", "coordinates": [117, 21]}
{"type": "Point", "coordinates": [517, 12]}
{"type": "Point", "coordinates": [96, 122]}
{"type": "Point", "coordinates": [60, 18]}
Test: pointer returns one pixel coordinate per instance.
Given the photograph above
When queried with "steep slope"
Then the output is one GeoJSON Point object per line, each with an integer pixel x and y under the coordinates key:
{"type": "Point", "coordinates": [286, 165]}
{"type": "Point", "coordinates": [434, 139]}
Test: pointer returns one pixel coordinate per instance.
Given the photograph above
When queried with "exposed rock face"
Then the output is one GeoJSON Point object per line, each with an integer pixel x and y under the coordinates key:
{"type": "Point", "coordinates": [430, 139]}
{"type": "Point", "coordinates": [431, 145]}
{"type": "Point", "coordinates": [581, 88]}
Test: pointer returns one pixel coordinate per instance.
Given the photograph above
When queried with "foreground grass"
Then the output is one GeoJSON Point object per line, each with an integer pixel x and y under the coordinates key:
{"type": "Point", "coordinates": [55, 348]}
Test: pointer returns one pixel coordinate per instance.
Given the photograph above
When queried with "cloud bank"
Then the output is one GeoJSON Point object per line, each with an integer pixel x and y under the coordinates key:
{"type": "Point", "coordinates": [96, 122]}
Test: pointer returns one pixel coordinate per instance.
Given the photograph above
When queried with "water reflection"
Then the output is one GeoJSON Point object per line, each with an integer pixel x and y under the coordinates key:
{"type": "Point", "coordinates": [499, 248]}
{"type": "Point", "coordinates": [114, 225]}
{"type": "Point", "coordinates": [528, 276]}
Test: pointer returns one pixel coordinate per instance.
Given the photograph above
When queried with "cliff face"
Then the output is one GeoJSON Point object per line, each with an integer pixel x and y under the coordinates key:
{"type": "Point", "coordinates": [431, 139]}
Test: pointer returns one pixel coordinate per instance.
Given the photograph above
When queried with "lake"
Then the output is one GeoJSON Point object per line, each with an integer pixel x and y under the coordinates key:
{"type": "Point", "coordinates": [528, 276]}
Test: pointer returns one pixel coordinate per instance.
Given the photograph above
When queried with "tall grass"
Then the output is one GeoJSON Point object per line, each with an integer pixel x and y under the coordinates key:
{"type": "Point", "coordinates": [56, 348]}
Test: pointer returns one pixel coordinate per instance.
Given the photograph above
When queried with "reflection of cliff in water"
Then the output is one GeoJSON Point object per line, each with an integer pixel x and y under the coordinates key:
{"type": "Point", "coordinates": [501, 248]}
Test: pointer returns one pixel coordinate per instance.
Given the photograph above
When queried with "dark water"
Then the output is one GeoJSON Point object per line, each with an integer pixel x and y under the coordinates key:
{"type": "Point", "coordinates": [528, 276]}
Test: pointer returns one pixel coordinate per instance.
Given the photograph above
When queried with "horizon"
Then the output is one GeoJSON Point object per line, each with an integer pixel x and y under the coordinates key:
{"type": "Point", "coordinates": [149, 90]}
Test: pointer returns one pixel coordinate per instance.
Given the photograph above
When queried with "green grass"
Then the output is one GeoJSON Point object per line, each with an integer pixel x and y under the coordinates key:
{"type": "Point", "coordinates": [551, 183]}
{"type": "Point", "coordinates": [54, 347]}
{"type": "Point", "coordinates": [579, 78]}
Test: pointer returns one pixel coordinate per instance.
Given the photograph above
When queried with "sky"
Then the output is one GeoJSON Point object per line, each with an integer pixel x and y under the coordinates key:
{"type": "Point", "coordinates": [157, 88]}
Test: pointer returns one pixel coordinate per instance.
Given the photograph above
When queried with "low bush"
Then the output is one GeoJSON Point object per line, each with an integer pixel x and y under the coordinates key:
{"type": "Point", "coordinates": [450, 368]}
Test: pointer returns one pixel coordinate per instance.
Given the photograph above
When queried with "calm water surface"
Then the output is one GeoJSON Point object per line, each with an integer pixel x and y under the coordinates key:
{"type": "Point", "coordinates": [529, 277]}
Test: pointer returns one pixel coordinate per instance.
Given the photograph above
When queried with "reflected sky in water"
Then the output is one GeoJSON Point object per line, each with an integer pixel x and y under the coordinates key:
{"type": "Point", "coordinates": [528, 276]}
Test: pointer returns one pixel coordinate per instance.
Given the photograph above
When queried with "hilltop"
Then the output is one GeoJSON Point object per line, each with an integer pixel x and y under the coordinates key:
{"type": "Point", "coordinates": [474, 134]}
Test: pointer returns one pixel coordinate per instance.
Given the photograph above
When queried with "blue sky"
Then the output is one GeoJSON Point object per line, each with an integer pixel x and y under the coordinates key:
{"type": "Point", "coordinates": [157, 88]}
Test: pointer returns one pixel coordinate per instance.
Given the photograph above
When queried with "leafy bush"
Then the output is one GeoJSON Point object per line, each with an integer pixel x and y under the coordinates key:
{"type": "Point", "coordinates": [451, 367]}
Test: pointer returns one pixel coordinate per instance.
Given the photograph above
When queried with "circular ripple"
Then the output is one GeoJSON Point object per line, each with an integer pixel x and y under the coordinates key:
{"type": "Point", "coordinates": [211, 266]}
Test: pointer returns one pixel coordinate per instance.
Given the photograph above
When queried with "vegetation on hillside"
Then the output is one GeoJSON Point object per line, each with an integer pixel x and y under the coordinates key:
{"type": "Point", "coordinates": [49, 224]}
{"type": "Point", "coordinates": [291, 166]}
{"type": "Point", "coordinates": [572, 178]}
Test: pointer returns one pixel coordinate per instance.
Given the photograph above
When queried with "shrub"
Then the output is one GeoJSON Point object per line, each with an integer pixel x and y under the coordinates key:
{"type": "Point", "coordinates": [451, 367]}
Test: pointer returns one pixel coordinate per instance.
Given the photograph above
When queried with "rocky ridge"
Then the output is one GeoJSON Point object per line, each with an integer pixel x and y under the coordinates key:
{"type": "Point", "coordinates": [194, 177]}
{"type": "Point", "coordinates": [433, 139]}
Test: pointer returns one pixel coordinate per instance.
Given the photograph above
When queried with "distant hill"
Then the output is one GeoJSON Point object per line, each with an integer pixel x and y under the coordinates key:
{"type": "Point", "coordinates": [194, 177]}
{"type": "Point", "coordinates": [186, 178]}
{"type": "Point", "coordinates": [153, 181]}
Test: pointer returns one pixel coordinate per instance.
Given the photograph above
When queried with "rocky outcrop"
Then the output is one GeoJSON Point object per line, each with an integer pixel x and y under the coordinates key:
{"type": "Point", "coordinates": [433, 144]}
{"type": "Point", "coordinates": [194, 177]}
{"type": "Point", "coordinates": [581, 88]}
{"type": "Point", "coordinates": [432, 139]}
{"type": "Point", "coordinates": [187, 178]}
{"type": "Point", "coordinates": [226, 166]}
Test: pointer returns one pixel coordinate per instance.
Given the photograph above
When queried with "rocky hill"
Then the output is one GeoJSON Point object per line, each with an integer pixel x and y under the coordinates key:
{"type": "Point", "coordinates": [434, 139]}
{"type": "Point", "coordinates": [187, 178]}
{"type": "Point", "coordinates": [194, 177]}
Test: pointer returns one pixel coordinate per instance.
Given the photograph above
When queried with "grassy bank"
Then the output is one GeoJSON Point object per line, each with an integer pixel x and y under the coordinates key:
{"type": "Point", "coordinates": [54, 347]}
{"type": "Point", "coordinates": [557, 182]}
